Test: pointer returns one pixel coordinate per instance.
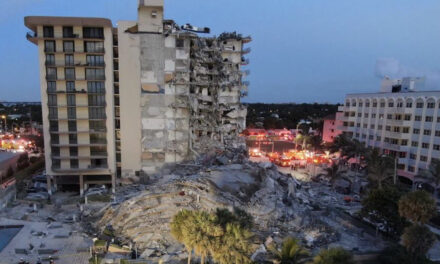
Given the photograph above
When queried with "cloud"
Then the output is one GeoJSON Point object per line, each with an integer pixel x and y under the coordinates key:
{"type": "Point", "coordinates": [392, 68]}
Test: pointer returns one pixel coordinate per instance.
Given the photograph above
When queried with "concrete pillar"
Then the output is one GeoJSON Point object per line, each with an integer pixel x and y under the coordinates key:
{"type": "Point", "coordinates": [81, 185]}
{"type": "Point", "coordinates": [49, 184]}
{"type": "Point", "coordinates": [113, 183]}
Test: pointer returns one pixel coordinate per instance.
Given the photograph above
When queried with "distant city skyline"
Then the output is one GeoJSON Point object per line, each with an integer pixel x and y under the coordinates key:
{"type": "Point", "coordinates": [302, 51]}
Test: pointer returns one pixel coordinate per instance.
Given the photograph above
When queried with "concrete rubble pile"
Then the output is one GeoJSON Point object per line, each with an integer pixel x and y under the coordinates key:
{"type": "Point", "coordinates": [224, 178]}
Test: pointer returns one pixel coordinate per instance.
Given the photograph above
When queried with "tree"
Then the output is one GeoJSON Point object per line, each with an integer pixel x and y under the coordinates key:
{"type": "Point", "coordinates": [334, 256]}
{"type": "Point", "coordinates": [417, 239]}
{"type": "Point", "coordinates": [233, 246]}
{"type": "Point", "coordinates": [431, 175]}
{"type": "Point", "coordinates": [418, 206]}
{"type": "Point", "coordinates": [205, 234]}
{"type": "Point", "coordinates": [379, 167]}
{"type": "Point", "coordinates": [381, 206]}
{"type": "Point", "coordinates": [9, 172]}
{"type": "Point", "coordinates": [291, 252]}
{"type": "Point", "coordinates": [182, 226]}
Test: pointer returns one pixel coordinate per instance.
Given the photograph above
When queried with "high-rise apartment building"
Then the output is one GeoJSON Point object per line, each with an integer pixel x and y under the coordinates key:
{"type": "Point", "coordinates": [122, 102]}
{"type": "Point", "coordinates": [400, 121]}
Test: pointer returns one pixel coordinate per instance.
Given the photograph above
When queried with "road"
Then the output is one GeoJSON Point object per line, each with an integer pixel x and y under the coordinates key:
{"type": "Point", "coordinates": [269, 146]}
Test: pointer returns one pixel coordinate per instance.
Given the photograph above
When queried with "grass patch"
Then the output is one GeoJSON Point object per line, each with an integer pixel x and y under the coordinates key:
{"type": "Point", "coordinates": [27, 172]}
{"type": "Point", "coordinates": [100, 243]}
{"type": "Point", "coordinates": [103, 198]}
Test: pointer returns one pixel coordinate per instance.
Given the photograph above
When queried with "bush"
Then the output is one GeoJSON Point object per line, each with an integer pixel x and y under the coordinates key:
{"type": "Point", "coordinates": [417, 239]}
{"type": "Point", "coordinates": [418, 206]}
{"type": "Point", "coordinates": [398, 255]}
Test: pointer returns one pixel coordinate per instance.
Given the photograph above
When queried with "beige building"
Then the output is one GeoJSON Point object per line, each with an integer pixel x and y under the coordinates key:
{"type": "Point", "coordinates": [399, 120]}
{"type": "Point", "coordinates": [125, 101]}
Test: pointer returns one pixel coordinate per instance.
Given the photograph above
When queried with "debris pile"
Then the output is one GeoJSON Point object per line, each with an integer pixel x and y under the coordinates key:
{"type": "Point", "coordinates": [281, 206]}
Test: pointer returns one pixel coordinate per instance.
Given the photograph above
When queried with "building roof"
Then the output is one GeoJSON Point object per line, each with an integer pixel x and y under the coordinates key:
{"type": "Point", "coordinates": [330, 117]}
{"type": "Point", "coordinates": [33, 21]}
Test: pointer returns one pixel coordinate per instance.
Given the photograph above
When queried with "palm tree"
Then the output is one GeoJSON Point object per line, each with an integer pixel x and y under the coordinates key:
{"type": "Point", "coordinates": [182, 227]}
{"type": "Point", "coordinates": [205, 234]}
{"type": "Point", "coordinates": [233, 246]}
{"type": "Point", "coordinates": [333, 256]}
{"type": "Point", "coordinates": [431, 176]}
{"type": "Point", "coordinates": [291, 252]}
{"type": "Point", "coordinates": [379, 167]}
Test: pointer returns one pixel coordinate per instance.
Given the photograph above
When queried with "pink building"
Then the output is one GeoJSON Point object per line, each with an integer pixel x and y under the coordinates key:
{"type": "Point", "coordinates": [331, 129]}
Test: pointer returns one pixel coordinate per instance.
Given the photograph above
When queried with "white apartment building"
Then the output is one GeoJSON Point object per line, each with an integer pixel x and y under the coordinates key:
{"type": "Point", "coordinates": [400, 121]}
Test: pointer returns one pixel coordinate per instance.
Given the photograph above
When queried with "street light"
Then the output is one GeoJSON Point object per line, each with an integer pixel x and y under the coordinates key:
{"type": "Point", "coordinates": [302, 121]}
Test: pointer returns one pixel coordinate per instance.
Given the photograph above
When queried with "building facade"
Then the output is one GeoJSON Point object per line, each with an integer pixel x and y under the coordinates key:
{"type": "Point", "coordinates": [331, 126]}
{"type": "Point", "coordinates": [122, 102]}
{"type": "Point", "coordinates": [404, 124]}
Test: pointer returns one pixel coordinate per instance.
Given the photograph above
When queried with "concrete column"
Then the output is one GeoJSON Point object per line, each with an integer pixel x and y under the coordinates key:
{"type": "Point", "coordinates": [113, 183]}
{"type": "Point", "coordinates": [81, 185]}
{"type": "Point", "coordinates": [49, 184]}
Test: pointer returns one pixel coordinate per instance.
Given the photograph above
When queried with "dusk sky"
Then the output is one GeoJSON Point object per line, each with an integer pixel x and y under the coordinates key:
{"type": "Point", "coordinates": [302, 50]}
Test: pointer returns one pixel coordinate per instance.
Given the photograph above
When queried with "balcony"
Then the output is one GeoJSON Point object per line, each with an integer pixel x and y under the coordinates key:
{"type": "Point", "coordinates": [244, 61]}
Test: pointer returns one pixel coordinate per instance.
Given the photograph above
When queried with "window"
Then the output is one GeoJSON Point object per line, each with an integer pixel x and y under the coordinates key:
{"type": "Point", "coordinates": [419, 105]}
{"type": "Point", "coordinates": [364, 125]}
{"type": "Point", "coordinates": [72, 126]}
{"type": "Point", "coordinates": [430, 105]}
{"type": "Point", "coordinates": [96, 112]}
{"type": "Point", "coordinates": [73, 151]}
{"type": "Point", "coordinates": [359, 114]}
{"type": "Point", "coordinates": [396, 129]}
{"type": "Point", "coordinates": [358, 124]}
{"type": "Point", "coordinates": [50, 59]}
{"type": "Point", "coordinates": [96, 99]}
{"type": "Point", "coordinates": [98, 151]}
{"type": "Point", "coordinates": [93, 46]}
{"type": "Point", "coordinates": [381, 116]}
{"type": "Point", "coordinates": [73, 139]}
{"type": "Point", "coordinates": [428, 118]}
{"type": "Point", "coordinates": [405, 130]}
{"type": "Point", "coordinates": [93, 32]}
{"type": "Point", "coordinates": [436, 147]}
{"type": "Point", "coordinates": [52, 99]}
{"type": "Point", "coordinates": [388, 128]}
{"type": "Point", "coordinates": [69, 73]}
{"type": "Point", "coordinates": [367, 104]}
{"type": "Point", "coordinates": [398, 117]}
{"type": "Point", "coordinates": [70, 86]}
{"type": "Point", "coordinates": [408, 117]}
{"type": "Point", "coordinates": [411, 169]}
{"type": "Point", "coordinates": [51, 73]}
{"type": "Point", "coordinates": [404, 142]}
{"type": "Point", "coordinates": [71, 113]}
{"type": "Point", "coordinates": [400, 104]}
{"type": "Point", "coordinates": [51, 87]}
{"type": "Point", "coordinates": [390, 104]}
{"type": "Point", "coordinates": [55, 151]}
{"type": "Point", "coordinates": [68, 58]}
{"type": "Point", "coordinates": [68, 46]}
{"type": "Point", "coordinates": [53, 126]}
{"type": "Point", "coordinates": [425, 145]}
{"type": "Point", "coordinates": [180, 43]}
{"type": "Point", "coordinates": [389, 116]}
{"type": "Point", "coordinates": [48, 32]}
{"type": "Point", "coordinates": [378, 138]}
{"type": "Point", "coordinates": [379, 127]}
{"type": "Point", "coordinates": [95, 87]}
{"type": "Point", "coordinates": [95, 60]}
{"type": "Point", "coordinates": [427, 132]}
{"type": "Point", "coordinates": [74, 163]}
{"type": "Point", "coordinates": [54, 139]}
{"type": "Point", "coordinates": [382, 104]}
{"type": "Point", "coordinates": [373, 115]}
{"type": "Point", "coordinates": [408, 104]}
{"type": "Point", "coordinates": [438, 119]}
{"type": "Point", "coordinates": [416, 131]}
{"type": "Point", "coordinates": [53, 113]}
{"type": "Point", "coordinates": [372, 126]}
{"type": "Point", "coordinates": [413, 156]}
{"type": "Point", "coordinates": [423, 158]}
{"type": "Point", "coordinates": [98, 139]}
{"type": "Point", "coordinates": [97, 125]}
{"type": "Point", "coordinates": [375, 104]}
{"type": "Point", "coordinates": [56, 164]}
{"type": "Point", "coordinates": [360, 104]}
{"type": "Point", "coordinates": [68, 32]}
{"type": "Point", "coordinates": [437, 133]}
{"type": "Point", "coordinates": [414, 144]}
{"type": "Point", "coordinates": [418, 118]}
{"type": "Point", "coordinates": [370, 137]}
{"type": "Point", "coordinates": [71, 100]}
{"type": "Point", "coordinates": [49, 46]}
{"type": "Point", "coordinates": [95, 74]}
{"type": "Point", "coordinates": [366, 115]}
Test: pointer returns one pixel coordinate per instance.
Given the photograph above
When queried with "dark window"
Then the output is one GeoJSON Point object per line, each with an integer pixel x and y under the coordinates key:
{"type": "Point", "coordinates": [71, 112]}
{"type": "Point", "coordinates": [73, 151]}
{"type": "Point", "coordinates": [96, 99]}
{"type": "Point", "coordinates": [68, 46]}
{"type": "Point", "coordinates": [97, 125]}
{"type": "Point", "coordinates": [98, 139]}
{"type": "Point", "coordinates": [68, 32]}
{"type": "Point", "coordinates": [95, 87]}
{"type": "Point", "coordinates": [56, 164]}
{"type": "Point", "coordinates": [54, 139]}
{"type": "Point", "coordinates": [74, 163]}
{"type": "Point", "coordinates": [55, 151]}
{"type": "Point", "coordinates": [73, 139]}
{"type": "Point", "coordinates": [180, 43]}
{"type": "Point", "coordinates": [71, 100]}
{"type": "Point", "coordinates": [53, 113]}
{"type": "Point", "coordinates": [70, 86]}
{"type": "Point", "coordinates": [96, 112]}
{"type": "Point", "coordinates": [50, 59]}
{"type": "Point", "coordinates": [69, 61]}
{"type": "Point", "coordinates": [408, 105]}
{"type": "Point", "coordinates": [93, 32]}
{"type": "Point", "coordinates": [51, 73]}
{"type": "Point", "coordinates": [419, 105]}
{"type": "Point", "coordinates": [48, 32]}
{"type": "Point", "coordinates": [52, 99]}
{"type": "Point", "coordinates": [49, 46]}
{"type": "Point", "coordinates": [430, 105]}
{"type": "Point", "coordinates": [428, 118]}
{"type": "Point", "coordinates": [93, 46]}
{"type": "Point", "coordinates": [51, 87]}
{"type": "Point", "coordinates": [72, 126]}
{"type": "Point", "coordinates": [69, 73]}
{"type": "Point", "coordinates": [95, 60]}
{"type": "Point", "coordinates": [95, 74]}
{"type": "Point", "coordinates": [425, 145]}
{"type": "Point", "coordinates": [53, 126]}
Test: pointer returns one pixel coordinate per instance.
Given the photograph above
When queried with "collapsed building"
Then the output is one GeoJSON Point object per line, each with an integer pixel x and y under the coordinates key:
{"type": "Point", "coordinates": [120, 102]}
